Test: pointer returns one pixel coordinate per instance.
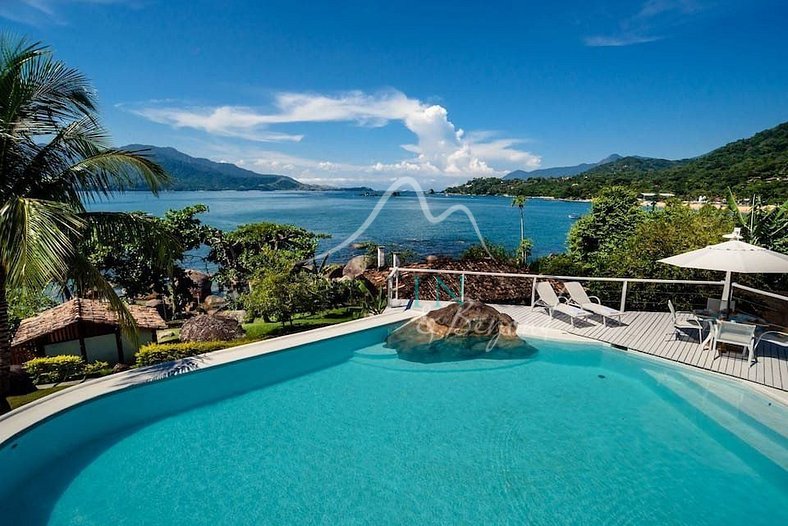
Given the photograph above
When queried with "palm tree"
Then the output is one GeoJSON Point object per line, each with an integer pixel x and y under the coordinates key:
{"type": "Point", "coordinates": [519, 201]}
{"type": "Point", "coordinates": [765, 226]}
{"type": "Point", "coordinates": [54, 155]}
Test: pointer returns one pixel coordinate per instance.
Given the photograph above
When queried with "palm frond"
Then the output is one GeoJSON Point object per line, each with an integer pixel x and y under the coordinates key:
{"type": "Point", "coordinates": [114, 228]}
{"type": "Point", "coordinates": [87, 281]}
{"type": "Point", "coordinates": [36, 240]}
{"type": "Point", "coordinates": [113, 169]}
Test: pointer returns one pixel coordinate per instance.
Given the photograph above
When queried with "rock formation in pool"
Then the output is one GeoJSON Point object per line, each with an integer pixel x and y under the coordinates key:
{"type": "Point", "coordinates": [457, 332]}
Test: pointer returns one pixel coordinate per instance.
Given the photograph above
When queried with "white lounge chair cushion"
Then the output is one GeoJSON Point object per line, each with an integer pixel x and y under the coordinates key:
{"type": "Point", "coordinates": [602, 310]}
{"type": "Point", "coordinates": [570, 311]}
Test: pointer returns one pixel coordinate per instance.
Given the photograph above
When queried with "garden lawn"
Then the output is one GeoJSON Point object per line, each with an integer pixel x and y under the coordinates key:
{"type": "Point", "coordinates": [260, 330]}
{"type": "Point", "coordinates": [18, 401]}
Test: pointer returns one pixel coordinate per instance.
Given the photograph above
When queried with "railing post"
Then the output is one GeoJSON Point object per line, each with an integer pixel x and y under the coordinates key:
{"type": "Point", "coordinates": [388, 292]}
{"type": "Point", "coordinates": [396, 285]}
{"type": "Point", "coordinates": [533, 292]}
{"type": "Point", "coordinates": [462, 287]}
{"type": "Point", "coordinates": [623, 306]}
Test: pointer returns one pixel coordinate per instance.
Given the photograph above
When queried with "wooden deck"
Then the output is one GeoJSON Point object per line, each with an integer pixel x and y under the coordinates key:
{"type": "Point", "coordinates": [652, 333]}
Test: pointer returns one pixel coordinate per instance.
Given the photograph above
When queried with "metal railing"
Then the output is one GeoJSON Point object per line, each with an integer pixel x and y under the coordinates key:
{"type": "Point", "coordinates": [679, 289]}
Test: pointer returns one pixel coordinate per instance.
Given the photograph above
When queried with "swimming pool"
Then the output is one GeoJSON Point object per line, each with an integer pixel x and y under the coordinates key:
{"type": "Point", "coordinates": [343, 431]}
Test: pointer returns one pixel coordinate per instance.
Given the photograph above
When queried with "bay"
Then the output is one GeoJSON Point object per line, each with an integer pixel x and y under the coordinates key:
{"type": "Point", "coordinates": [400, 225]}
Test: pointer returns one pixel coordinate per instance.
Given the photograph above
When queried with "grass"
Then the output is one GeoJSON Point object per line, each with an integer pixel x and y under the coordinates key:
{"type": "Point", "coordinates": [18, 401]}
{"type": "Point", "coordinates": [260, 329]}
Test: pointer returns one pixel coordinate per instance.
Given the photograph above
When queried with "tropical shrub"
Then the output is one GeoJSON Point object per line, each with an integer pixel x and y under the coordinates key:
{"type": "Point", "coordinates": [155, 353]}
{"type": "Point", "coordinates": [52, 369]}
{"type": "Point", "coordinates": [97, 368]}
{"type": "Point", "coordinates": [478, 252]}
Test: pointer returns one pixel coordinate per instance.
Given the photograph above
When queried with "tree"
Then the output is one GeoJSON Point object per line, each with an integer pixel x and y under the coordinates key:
{"type": "Point", "coordinates": [519, 202]}
{"type": "Point", "coordinates": [26, 304]}
{"type": "Point", "coordinates": [53, 155]}
{"type": "Point", "coordinates": [615, 214]}
{"type": "Point", "coordinates": [139, 266]}
{"type": "Point", "coordinates": [248, 248]}
{"type": "Point", "coordinates": [666, 232]}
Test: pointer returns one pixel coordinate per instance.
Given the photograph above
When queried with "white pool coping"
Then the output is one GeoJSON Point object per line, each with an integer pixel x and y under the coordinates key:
{"type": "Point", "coordinates": [18, 420]}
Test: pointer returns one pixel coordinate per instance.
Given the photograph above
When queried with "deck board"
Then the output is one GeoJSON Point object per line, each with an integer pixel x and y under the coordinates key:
{"type": "Point", "coordinates": [652, 333]}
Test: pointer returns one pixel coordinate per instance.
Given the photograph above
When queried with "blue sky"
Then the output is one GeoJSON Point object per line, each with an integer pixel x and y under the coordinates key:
{"type": "Point", "coordinates": [365, 91]}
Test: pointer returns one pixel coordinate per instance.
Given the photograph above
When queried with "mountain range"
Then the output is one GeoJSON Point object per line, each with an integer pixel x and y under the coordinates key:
{"type": "Point", "coordinates": [755, 165]}
{"type": "Point", "coordinates": [195, 173]}
{"type": "Point", "coordinates": [560, 171]}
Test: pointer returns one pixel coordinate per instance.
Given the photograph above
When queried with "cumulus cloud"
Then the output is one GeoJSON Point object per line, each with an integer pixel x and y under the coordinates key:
{"type": "Point", "coordinates": [440, 147]}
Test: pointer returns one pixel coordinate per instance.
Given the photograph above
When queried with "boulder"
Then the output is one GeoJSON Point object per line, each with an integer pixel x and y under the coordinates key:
{"type": "Point", "coordinates": [355, 267]}
{"type": "Point", "coordinates": [205, 328]}
{"type": "Point", "coordinates": [214, 303]}
{"type": "Point", "coordinates": [199, 284]}
{"type": "Point", "coordinates": [458, 331]}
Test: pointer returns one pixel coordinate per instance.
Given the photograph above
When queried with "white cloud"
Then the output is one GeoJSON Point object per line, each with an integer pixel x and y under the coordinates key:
{"type": "Point", "coordinates": [619, 40]}
{"type": "Point", "coordinates": [38, 12]}
{"type": "Point", "coordinates": [440, 148]}
{"type": "Point", "coordinates": [639, 28]}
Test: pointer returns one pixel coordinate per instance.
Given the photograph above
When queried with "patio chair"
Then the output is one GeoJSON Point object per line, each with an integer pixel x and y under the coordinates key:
{"type": "Point", "coordinates": [733, 333]}
{"type": "Point", "coordinates": [550, 301]}
{"type": "Point", "coordinates": [579, 298]}
{"type": "Point", "coordinates": [688, 323]}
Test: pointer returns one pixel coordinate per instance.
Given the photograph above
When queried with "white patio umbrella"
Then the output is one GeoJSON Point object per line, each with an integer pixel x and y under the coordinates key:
{"type": "Point", "coordinates": [732, 256]}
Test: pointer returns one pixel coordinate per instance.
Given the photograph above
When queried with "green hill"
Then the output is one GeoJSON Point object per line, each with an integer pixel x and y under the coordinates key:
{"type": "Point", "coordinates": [757, 165]}
{"type": "Point", "coordinates": [193, 173]}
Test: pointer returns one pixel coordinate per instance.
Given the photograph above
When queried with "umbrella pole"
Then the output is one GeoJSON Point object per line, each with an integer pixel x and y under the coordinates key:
{"type": "Point", "coordinates": [726, 294]}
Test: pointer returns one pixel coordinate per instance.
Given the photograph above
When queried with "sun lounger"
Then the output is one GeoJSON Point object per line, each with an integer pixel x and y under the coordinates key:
{"type": "Point", "coordinates": [550, 301]}
{"type": "Point", "coordinates": [579, 298]}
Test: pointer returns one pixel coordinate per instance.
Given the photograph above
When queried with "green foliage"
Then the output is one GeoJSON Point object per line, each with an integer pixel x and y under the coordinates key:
{"type": "Point", "coordinates": [523, 251]}
{"type": "Point", "coordinates": [372, 301]}
{"type": "Point", "coordinates": [765, 226]}
{"type": "Point", "coordinates": [54, 155]}
{"type": "Point", "coordinates": [97, 368]}
{"type": "Point", "coordinates": [664, 233]}
{"type": "Point", "coordinates": [249, 248]}
{"type": "Point", "coordinates": [155, 353]}
{"type": "Point", "coordinates": [281, 293]}
{"type": "Point", "coordinates": [152, 260]}
{"type": "Point", "coordinates": [24, 303]}
{"type": "Point", "coordinates": [560, 265]}
{"type": "Point", "coordinates": [757, 165]}
{"type": "Point", "coordinates": [614, 216]}
{"type": "Point", "coordinates": [52, 369]}
{"type": "Point", "coordinates": [260, 329]}
{"type": "Point", "coordinates": [478, 252]}
{"type": "Point", "coordinates": [185, 226]}
{"type": "Point", "coordinates": [622, 242]}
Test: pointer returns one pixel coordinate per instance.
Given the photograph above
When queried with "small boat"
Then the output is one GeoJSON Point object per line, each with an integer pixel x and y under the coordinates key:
{"type": "Point", "coordinates": [574, 216]}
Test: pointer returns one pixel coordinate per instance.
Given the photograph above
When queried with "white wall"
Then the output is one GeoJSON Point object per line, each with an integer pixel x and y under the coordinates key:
{"type": "Point", "coordinates": [102, 348]}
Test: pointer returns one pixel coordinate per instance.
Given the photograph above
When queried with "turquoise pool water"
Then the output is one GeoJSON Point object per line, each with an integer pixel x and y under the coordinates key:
{"type": "Point", "coordinates": [344, 432]}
